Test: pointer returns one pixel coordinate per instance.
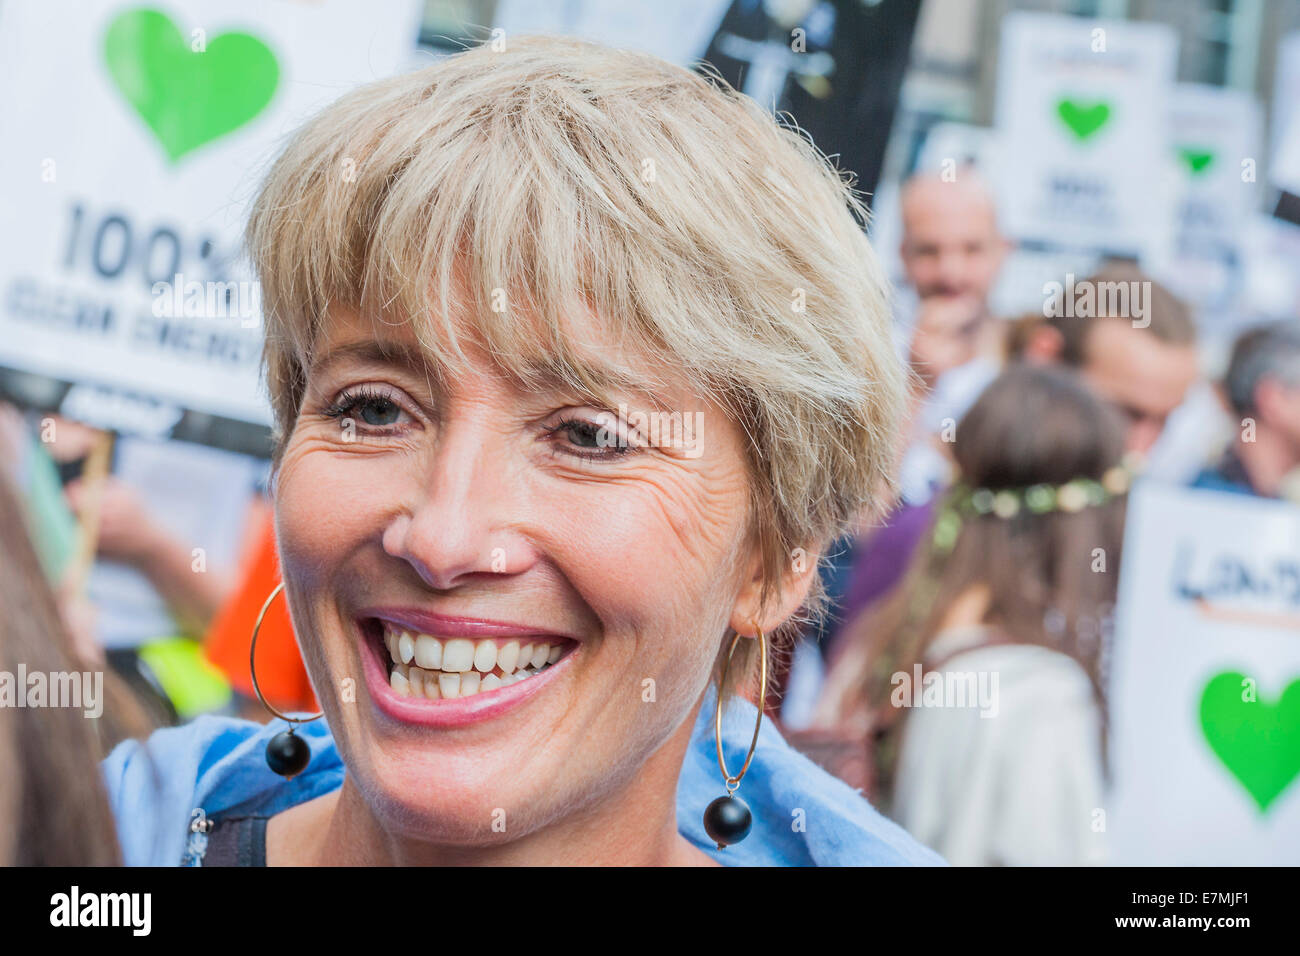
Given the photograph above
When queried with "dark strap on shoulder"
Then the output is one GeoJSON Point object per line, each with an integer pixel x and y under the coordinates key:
{"type": "Point", "coordinates": [239, 841]}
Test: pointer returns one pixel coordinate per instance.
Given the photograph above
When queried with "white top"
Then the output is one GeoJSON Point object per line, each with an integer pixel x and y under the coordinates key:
{"type": "Point", "coordinates": [1021, 786]}
{"type": "Point", "coordinates": [925, 468]}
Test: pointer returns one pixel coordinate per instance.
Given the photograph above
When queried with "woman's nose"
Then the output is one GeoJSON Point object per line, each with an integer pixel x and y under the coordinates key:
{"type": "Point", "coordinates": [461, 521]}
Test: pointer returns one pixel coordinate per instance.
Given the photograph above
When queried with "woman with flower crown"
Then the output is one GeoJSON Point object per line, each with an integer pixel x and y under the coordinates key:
{"type": "Point", "coordinates": [977, 686]}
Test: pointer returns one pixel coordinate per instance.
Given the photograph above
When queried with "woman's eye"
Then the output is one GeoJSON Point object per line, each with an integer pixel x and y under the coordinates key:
{"type": "Point", "coordinates": [368, 409]}
{"type": "Point", "coordinates": [586, 435]}
{"type": "Point", "coordinates": [586, 439]}
{"type": "Point", "coordinates": [378, 411]}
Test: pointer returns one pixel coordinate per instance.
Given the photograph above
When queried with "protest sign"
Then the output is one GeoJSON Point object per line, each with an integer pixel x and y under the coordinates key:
{"type": "Point", "coordinates": [1205, 689]}
{"type": "Point", "coordinates": [1082, 110]}
{"type": "Point", "coordinates": [1215, 144]}
{"type": "Point", "coordinates": [129, 162]}
{"type": "Point", "coordinates": [1285, 123]}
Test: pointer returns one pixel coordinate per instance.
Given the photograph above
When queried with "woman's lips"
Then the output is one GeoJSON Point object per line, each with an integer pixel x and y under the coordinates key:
{"type": "Point", "coordinates": [420, 621]}
{"type": "Point", "coordinates": [446, 679]}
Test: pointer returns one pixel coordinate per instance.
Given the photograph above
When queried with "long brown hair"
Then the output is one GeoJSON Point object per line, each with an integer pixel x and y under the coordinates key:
{"type": "Point", "coordinates": [53, 808]}
{"type": "Point", "coordinates": [1050, 578]}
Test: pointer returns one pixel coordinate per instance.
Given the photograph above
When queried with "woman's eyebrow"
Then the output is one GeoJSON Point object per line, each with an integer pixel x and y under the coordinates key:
{"type": "Point", "coordinates": [410, 357]}
{"type": "Point", "coordinates": [607, 385]}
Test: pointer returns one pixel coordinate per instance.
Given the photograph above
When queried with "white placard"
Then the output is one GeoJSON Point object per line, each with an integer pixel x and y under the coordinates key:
{"type": "Point", "coordinates": [134, 137]}
{"type": "Point", "coordinates": [1082, 107]}
{"type": "Point", "coordinates": [1205, 689]}
{"type": "Point", "coordinates": [1215, 141]}
{"type": "Point", "coordinates": [1285, 160]}
{"type": "Point", "coordinates": [676, 30]}
{"type": "Point", "coordinates": [950, 146]}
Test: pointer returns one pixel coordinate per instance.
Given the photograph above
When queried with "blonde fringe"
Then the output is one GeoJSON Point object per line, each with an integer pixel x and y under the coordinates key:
{"type": "Point", "coordinates": [559, 174]}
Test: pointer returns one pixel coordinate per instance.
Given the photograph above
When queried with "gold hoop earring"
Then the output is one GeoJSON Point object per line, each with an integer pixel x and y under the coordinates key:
{"type": "Point", "coordinates": [727, 820]}
{"type": "Point", "coordinates": [287, 753]}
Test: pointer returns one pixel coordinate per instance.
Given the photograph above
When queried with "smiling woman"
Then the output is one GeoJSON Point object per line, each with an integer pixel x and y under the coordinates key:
{"type": "Point", "coordinates": [514, 597]}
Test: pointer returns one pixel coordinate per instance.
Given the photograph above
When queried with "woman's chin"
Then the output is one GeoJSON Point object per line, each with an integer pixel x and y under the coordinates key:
{"type": "Point", "coordinates": [459, 802]}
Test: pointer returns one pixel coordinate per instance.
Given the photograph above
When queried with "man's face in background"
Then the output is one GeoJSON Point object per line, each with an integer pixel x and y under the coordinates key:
{"type": "Point", "coordinates": [1289, 421]}
{"type": "Point", "coordinates": [1277, 405]}
{"type": "Point", "coordinates": [951, 245]}
{"type": "Point", "coordinates": [1142, 376]}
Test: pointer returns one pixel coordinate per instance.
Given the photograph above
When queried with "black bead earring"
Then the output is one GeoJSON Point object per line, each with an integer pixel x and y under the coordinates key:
{"type": "Point", "coordinates": [727, 820]}
{"type": "Point", "coordinates": [287, 753]}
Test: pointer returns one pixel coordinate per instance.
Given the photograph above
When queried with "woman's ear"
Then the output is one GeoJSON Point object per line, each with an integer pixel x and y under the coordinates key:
{"type": "Point", "coordinates": [797, 575]}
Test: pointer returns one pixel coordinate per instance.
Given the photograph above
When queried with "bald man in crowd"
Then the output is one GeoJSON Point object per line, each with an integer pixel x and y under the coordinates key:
{"type": "Point", "coordinates": [952, 251]}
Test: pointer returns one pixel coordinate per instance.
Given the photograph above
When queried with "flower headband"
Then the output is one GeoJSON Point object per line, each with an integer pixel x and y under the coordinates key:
{"type": "Point", "coordinates": [1073, 496]}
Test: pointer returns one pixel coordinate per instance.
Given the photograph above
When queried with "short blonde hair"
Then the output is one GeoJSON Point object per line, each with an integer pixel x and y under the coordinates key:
{"type": "Point", "coordinates": [705, 234]}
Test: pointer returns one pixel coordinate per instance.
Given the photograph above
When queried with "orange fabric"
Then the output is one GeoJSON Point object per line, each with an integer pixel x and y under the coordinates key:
{"type": "Point", "coordinates": [280, 671]}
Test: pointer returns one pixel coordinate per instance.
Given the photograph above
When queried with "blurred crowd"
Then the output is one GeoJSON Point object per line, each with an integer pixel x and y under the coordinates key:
{"type": "Point", "coordinates": [1028, 432]}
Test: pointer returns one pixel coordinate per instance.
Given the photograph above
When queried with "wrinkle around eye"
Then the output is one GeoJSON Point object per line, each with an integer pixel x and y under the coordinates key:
{"type": "Point", "coordinates": [695, 512]}
{"type": "Point", "coordinates": [324, 433]}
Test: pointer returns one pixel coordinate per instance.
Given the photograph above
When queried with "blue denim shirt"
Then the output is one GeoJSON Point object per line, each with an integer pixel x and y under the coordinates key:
{"type": "Point", "coordinates": [215, 767]}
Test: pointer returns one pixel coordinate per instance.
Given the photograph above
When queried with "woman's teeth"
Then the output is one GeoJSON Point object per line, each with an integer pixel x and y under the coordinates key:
{"type": "Point", "coordinates": [439, 668]}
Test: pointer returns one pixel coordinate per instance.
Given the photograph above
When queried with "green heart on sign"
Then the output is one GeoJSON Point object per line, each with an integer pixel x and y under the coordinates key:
{"type": "Point", "coordinates": [187, 97]}
{"type": "Point", "coordinates": [1083, 121]}
{"type": "Point", "coordinates": [1257, 741]}
{"type": "Point", "coordinates": [1197, 160]}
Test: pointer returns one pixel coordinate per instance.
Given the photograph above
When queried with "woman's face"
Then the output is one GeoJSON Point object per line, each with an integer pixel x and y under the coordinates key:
{"type": "Point", "coordinates": [456, 529]}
